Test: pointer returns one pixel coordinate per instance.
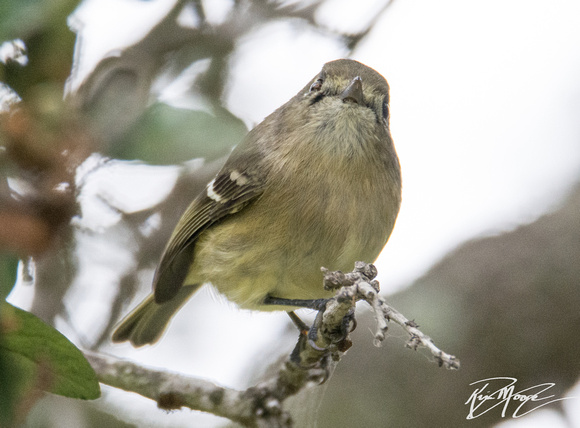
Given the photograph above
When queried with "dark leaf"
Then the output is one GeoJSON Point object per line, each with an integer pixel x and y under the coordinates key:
{"type": "Point", "coordinates": [43, 357]}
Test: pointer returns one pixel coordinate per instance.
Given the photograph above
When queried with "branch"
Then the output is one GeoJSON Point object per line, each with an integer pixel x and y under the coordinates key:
{"type": "Point", "coordinates": [170, 390]}
{"type": "Point", "coordinates": [312, 362]}
{"type": "Point", "coordinates": [363, 287]}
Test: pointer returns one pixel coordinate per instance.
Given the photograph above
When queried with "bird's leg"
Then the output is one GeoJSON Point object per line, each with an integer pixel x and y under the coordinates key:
{"type": "Point", "coordinates": [337, 335]}
{"type": "Point", "coordinates": [319, 354]}
{"type": "Point", "coordinates": [300, 325]}
{"type": "Point", "coordinates": [318, 304]}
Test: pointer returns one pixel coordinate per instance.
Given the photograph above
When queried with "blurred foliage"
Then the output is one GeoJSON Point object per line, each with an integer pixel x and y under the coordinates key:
{"type": "Point", "coordinates": [35, 149]}
{"type": "Point", "coordinates": [168, 135]}
{"type": "Point", "coordinates": [9, 378]}
{"type": "Point", "coordinates": [8, 374]}
{"type": "Point", "coordinates": [49, 42]}
{"type": "Point", "coordinates": [8, 273]}
{"type": "Point", "coordinates": [25, 17]}
{"type": "Point", "coordinates": [41, 149]}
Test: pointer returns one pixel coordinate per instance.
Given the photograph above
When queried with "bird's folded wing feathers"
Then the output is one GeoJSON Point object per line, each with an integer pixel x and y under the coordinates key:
{"type": "Point", "coordinates": [231, 191]}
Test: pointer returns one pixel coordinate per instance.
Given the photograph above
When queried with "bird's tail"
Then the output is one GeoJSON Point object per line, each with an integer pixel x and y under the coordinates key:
{"type": "Point", "coordinates": [146, 323]}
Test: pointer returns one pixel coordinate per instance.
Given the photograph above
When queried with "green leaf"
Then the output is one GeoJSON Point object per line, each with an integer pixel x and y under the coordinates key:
{"type": "Point", "coordinates": [24, 17]}
{"type": "Point", "coordinates": [8, 380]}
{"type": "Point", "coordinates": [14, 16]}
{"type": "Point", "coordinates": [8, 271]}
{"type": "Point", "coordinates": [43, 357]}
{"type": "Point", "coordinates": [170, 135]}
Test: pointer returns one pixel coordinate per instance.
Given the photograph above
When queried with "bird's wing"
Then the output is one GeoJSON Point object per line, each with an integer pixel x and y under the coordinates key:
{"type": "Point", "coordinates": [234, 187]}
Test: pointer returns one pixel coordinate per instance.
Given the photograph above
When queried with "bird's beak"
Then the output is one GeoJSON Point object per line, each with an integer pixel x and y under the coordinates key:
{"type": "Point", "coordinates": [353, 92]}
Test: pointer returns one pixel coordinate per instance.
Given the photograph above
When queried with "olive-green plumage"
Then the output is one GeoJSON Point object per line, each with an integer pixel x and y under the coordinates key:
{"type": "Point", "coordinates": [317, 183]}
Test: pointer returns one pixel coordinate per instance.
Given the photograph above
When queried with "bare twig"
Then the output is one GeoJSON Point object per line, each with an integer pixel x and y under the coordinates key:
{"type": "Point", "coordinates": [171, 390]}
{"type": "Point", "coordinates": [365, 288]}
{"type": "Point", "coordinates": [360, 285]}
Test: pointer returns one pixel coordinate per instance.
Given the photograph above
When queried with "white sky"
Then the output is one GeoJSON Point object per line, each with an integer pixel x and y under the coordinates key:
{"type": "Point", "coordinates": [485, 101]}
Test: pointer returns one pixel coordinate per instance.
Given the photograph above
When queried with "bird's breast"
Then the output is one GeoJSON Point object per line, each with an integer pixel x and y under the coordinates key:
{"type": "Point", "coordinates": [322, 207]}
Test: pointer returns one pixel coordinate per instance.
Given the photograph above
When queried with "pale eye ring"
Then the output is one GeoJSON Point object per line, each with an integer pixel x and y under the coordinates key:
{"type": "Point", "coordinates": [317, 85]}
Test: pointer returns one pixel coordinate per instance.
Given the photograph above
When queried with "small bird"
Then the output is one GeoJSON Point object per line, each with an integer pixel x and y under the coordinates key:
{"type": "Point", "coordinates": [316, 183]}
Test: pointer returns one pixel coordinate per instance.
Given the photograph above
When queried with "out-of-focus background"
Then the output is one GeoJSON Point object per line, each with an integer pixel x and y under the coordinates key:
{"type": "Point", "coordinates": [127, 108]}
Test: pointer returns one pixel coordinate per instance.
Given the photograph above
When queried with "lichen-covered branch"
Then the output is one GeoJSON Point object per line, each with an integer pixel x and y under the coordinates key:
{"type": "Point", "coordinates": [313, 360]}
{"type": "Point", "coordinates": [364, 287]}
{"type": "Point", "coordinates": [170, 390]}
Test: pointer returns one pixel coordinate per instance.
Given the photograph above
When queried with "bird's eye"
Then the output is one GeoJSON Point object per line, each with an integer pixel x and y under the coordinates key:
{"type": "Point", "coordinates": [316, 86]}
{"type": "Point", "coordinates": [386, 109]}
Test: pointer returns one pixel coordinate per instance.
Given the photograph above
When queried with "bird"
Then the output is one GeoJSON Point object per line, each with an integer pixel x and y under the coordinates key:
{"type": "Point", "coordinates": [316, 184]}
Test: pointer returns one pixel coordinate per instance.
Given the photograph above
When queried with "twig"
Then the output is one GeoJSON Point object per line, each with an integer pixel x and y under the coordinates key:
{"type": "Point", "coordinates": [364, 287]}
{"type": "Point", "coordinates": [170, 390]}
